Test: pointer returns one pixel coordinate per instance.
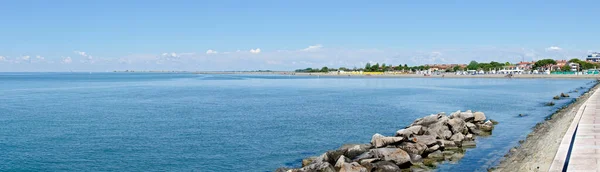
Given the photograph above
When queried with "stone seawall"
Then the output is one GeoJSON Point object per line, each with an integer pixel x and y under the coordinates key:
{"type": "Point", "coordinates": [418, 147]}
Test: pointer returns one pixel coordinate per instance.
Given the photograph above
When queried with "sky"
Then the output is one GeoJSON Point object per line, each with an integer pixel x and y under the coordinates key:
{"type": "Point", "coordinates": [224, 35]}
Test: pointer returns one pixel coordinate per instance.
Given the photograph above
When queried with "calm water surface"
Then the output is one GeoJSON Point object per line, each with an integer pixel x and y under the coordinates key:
{"type": "Point", "coordinates": [187, 122]}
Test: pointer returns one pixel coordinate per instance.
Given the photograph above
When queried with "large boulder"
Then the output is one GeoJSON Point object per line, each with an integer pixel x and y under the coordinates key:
{"type": "Point", "coordinates": [384, 166]}
{"type": "Point", "coordinates": [379, 140]}
{"type": "Point", "coordinates": [478, 117]}
{"type": "Point", "coordinates": [426, 121]}
{"type": "Point", "coordinates": [487, 126]}
{"type": "Point", "coordinates": [413, 148]}
{"type": "Point", "coordinates": [473, 128]}
{"type": "Point", "coordinates": [320, 167]}
{"type": "Point", "coordinates": [458, 137]}
{"type": "Point", "coordinates": [340, 162]}
{"type": "Point", "coordinates": [353, 150]}
{"type": "Point", "coordinates": [457, 125]}
{"type": "Point", "coordinates": [310, 160]}
{"type": "Point", "coordinates": [352, 167]}
{"type": "Point", "coordinates": [332, 156]}
{"type": "Point", "coordinates": [283, 169]}
{"type": "Point", "coordinates": [437, 129]}
{"type": "Point", "coordinates": [410, 131]}
{"type": "Point", "coordinates": [432, 148]}
{"type": "Point", "coordinates": [425, 139]}
{"type": "Point", "coordinates": [466, 116]}
{"type": "Point", "coordinates": [366, 155]}
{"type": "Point", "coordinates": [395, 155]}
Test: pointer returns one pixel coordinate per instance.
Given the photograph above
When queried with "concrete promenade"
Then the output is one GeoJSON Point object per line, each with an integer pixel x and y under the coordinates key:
{"type": "Point", "coordinates": [580, 146]}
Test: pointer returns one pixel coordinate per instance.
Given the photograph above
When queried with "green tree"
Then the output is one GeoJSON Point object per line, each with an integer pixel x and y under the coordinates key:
{"type": "Point", "coordinates": [575, 60]}
{"type": "Point", "coordinates": [456, 68]}
{"type": "Point", "coordinates": [507, 64]}
{"type": "Point", "coordinates": [566, 68]}
{"type": "Point", "coordinates": [368, 67]}
{"type": "Point", "coordinates": [325, 69]}
{"type": "Point", "coordinates": [545, 63]}
{"type": "Point", "coordinates": [375, 67]}
{"type": "Point", "coordinates": [473, 65]}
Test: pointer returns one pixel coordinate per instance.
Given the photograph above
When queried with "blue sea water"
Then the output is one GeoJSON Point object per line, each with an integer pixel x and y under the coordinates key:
{"type": "Point", "coordinates": [190, 122]}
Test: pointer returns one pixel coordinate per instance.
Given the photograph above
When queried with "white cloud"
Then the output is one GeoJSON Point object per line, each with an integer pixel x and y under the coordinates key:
{"type": "Point", "coordinates": [2, 58]}
{"type": "Point", "coordinates": [313, 47]}
{"type": "Point", "coordinates": [25, 58]}
{"type": "Point", "coordinates": [553, 48]}
{"type": "Point", "coordinates": [170, 55]}
{"type": "Point", "coordinates": [67, 60]}
{"type": "Point", "coordinates": [255, 51]}
{"type": "Point", "coordinates": [211, 52]}
{"type": "Point", "coordinates": [39, 57]}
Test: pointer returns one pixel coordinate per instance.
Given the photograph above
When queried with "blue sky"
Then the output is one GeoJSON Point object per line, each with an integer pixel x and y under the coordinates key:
{"type": "Point", "coordinates": [227, 35]}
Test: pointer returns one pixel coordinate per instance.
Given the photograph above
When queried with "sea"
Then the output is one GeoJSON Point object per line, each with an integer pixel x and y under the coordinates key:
{"type": "Point", "coordinates": [202, 122]}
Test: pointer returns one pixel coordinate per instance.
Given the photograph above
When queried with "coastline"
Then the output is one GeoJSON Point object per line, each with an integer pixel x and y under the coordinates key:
{"type": "Point", "coordinates": [449, 75]}
{"type": "Point", "coordinates": [537, 151]}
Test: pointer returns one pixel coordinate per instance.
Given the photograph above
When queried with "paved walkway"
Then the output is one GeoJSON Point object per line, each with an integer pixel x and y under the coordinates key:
{"type": "Point", "coordinates": [581, 144]}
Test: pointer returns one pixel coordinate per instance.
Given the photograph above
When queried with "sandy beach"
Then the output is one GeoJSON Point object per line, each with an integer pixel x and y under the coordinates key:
{"type": "Point", "coordinates": [537, 152]}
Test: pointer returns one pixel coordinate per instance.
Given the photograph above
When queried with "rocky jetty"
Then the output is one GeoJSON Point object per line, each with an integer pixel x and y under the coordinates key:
{"type": "Point", "coordinates": [418, 147]}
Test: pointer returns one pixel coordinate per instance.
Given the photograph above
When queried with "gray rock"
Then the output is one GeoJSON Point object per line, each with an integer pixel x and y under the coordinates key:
{"type": "Point", "coordinates": [310, 160]}
{"type": "Point", "coordinates": [379, 140]}
{"type": "Point", "coordinates": [425, 139]}
{"type": "Point", "coordinates": [282, 169]}
{"type": "Point", "coordinates": [413, 148]}
{"type": "Point", "coordinates": [340, 162]}
{"type": "Point", "coordinates": [352, 167]}
{"type": "Point", "coordinates": [385, 166]}
{"type": "Point", "coordinates": [479, 117]}
{"type": "Point", "coordinates": [455, 114]}
{"type": "Point", "coordinates": [473, 128]}
{"type": "Point", "coordinates": [432, 148]}
{"type": "Point", "coordinates": [469, 144]}
{"type": "Point", "coordinates": [486, 126]}
{"type": "Point", "coordinates": [436, 155]}
{"type": "Point", "coordinates": [414, 158]}
{"type": "Point", "coordinates": [466, 116]}
{"type": "Point", "coordinates": [447, 134]}
{"type": "Point", "coordinates": [437, 129]}
{"type": "Point", "coordinates": [428, 120]}
{"type": "Point", "coordinates": [366, 155]}
{"type": "Point", "coordinates": [469, 137]}
{"type": "Point", "coordinates": [369, 163]}
{"type": "Point", "coordinates": [458, 137]}
{"type": "Point", "coordinates": [353, 150]}
{"type": "Point", "coordinates": [410, 131]}
{"type": "Point", "coordinates": [457, 125]}
{"type": "Point", "coordinates": [320, 167]}
{"type": "Point", "coordinates": [396, 155]}
{"type": "Point", "coordinates": [332, 156]}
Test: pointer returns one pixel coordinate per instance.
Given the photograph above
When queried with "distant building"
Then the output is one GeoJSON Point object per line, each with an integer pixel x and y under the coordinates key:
{"type": "Point", "coordinates": [444, 66]}
{"type": "Point", "coordinates": [526, 65]}
{"type": "Point", "coordinates": [593, 57]}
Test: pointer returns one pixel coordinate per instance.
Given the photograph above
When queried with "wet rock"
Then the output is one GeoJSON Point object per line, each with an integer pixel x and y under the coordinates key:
{"type": "Point", "coordinates": [379, 140]}
{"type": "Point", "coordinates": [457, 125]}
{"type": "Point", "coordinates": [436, 155]}
{"type": "Point", "coordinates": [395, 155]}
{"type": "Point", "coordinates": [556, 97]}
{"type": "Point", "coordinates": [479, 117]}
{"type": "Point", "coordinates": [457, 156]}
{"type": "Point", "coordinates": [564, 95]}
{"type": "Point", "coordinates": [486, 126]}
{"type": "Point", "coordinates": [469, 144]}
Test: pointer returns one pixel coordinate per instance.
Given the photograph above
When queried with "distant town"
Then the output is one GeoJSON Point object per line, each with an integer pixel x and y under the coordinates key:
{"type": "Point", "coordinates": [549, 66]}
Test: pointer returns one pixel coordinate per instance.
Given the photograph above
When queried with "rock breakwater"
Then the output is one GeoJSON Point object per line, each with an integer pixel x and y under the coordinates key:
{"type": "Point", "coordinates": [418, 147]}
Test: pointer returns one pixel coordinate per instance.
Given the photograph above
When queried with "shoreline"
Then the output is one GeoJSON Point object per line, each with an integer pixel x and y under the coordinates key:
{"type": "Point", "coordinates": [537, 151]}
{"type": "Point", "coordinates": [448, 75]}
